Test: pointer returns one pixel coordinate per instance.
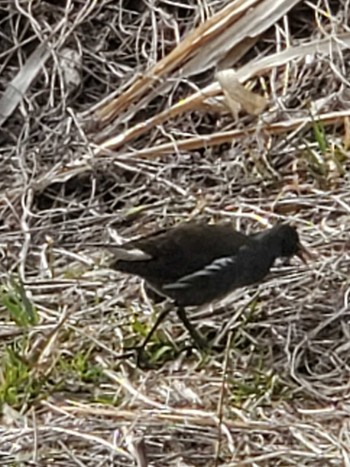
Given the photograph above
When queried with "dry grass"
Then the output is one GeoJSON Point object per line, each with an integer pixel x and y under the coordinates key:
{"type": "Point", "coordinates": [133, 140]}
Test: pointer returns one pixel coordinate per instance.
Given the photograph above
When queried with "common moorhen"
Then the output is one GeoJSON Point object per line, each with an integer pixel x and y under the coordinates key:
{"type": "Point", "coordinates": [196, 263]}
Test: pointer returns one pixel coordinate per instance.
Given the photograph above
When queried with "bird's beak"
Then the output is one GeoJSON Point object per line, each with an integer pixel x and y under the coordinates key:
{"type": "Point", "coordinates": [304, 254]}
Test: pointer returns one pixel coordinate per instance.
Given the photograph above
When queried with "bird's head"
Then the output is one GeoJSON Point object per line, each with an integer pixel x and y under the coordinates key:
{"type": "Point", "coordinates": [290, 244]}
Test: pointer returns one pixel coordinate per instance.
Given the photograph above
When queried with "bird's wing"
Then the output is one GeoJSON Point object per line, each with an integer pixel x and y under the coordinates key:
{"type": "Point", "coordinates": [214, 270]}
{"type": "Point", "coordinates": [214, 281]}
{"type": "Point", "coordinates": [167, 256]}
{"type": "Point", "coordinates": [153, 245]}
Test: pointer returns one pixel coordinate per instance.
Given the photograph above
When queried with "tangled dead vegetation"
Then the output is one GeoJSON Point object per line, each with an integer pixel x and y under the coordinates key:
{"type": "Point", "coordinates": [120, 117]}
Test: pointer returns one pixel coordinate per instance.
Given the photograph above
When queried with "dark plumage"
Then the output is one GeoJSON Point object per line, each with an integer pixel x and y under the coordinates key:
{"type": "Point", "coordinates": [196, 263]}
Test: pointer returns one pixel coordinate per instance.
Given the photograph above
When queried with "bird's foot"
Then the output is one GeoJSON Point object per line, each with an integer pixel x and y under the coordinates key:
{"type": "Point", "coordinates": [139, 353]}
{"type": "Point", "coordinates": [201, 343]}
{"type": "Point", "coordinates": [160, 353]}
{"type": "Point", "coordinates": [165, 353]}
{"type": "Point", "coordinates": [143, 362]}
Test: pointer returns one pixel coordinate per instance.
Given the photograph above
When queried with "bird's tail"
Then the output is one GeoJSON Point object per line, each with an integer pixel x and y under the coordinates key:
{"type": "Point", "coordinates": [125, 254]}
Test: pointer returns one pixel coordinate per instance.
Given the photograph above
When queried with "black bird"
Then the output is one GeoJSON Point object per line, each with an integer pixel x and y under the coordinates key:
{"type": "Point", "coordinates": [196, 263]}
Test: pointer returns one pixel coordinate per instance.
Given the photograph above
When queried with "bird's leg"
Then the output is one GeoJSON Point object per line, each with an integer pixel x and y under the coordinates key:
{"type": "Point", "coordinates": [140, 350]}
{"type": "Point", "coordinates": [201, 343]}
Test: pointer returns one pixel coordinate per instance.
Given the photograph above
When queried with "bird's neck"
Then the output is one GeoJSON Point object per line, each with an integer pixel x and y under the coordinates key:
{"type": "Point", "coordinates": [269, 243]}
